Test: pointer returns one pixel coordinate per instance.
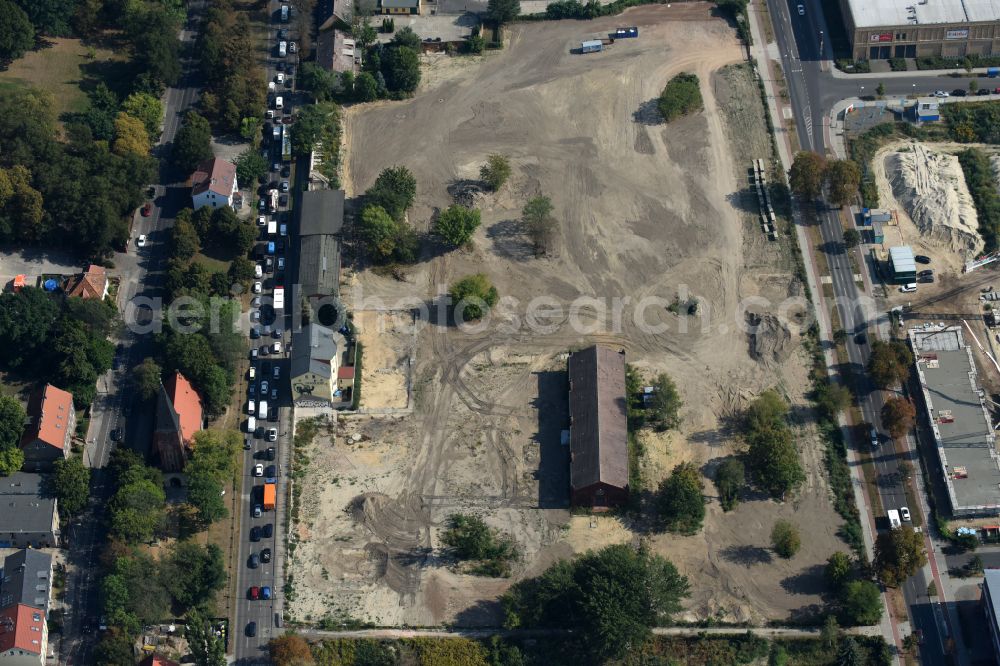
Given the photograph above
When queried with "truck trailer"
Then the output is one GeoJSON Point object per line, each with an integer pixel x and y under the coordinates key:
{"type": "Point", "coordinates": [270, 493]}
{"type": "Point", "coordinates": [591, 46]}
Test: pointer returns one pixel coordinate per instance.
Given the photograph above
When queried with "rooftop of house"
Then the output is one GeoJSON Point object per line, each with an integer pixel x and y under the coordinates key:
{"type": "Point", "coordinates": [314, 350]}
{"type": "Point", "coordinates": [23, 507]}
{"type": "Point", "coordinates": [179, 407]}
{"type": "Point", "coordinates": [89, 284]}
{"type": "Point", "coordinates": [21, 628]}
{"type": "Point", "coordinates": [26, 578]}
{"type": "Point", "coordinates": [215, 175]}
{"type": "Point", "coordinates": [49, 413]}
{"type": "Point", "coordinates": [599, 433]}
{"type": "Point", "coordinates": [321, 212]}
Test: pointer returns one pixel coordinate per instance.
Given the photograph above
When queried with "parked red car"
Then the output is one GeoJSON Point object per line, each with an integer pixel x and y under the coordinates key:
{"type": "Point", "coordinates": [254, 592]}
{"type": "Point", "coordinates": [147, 209]}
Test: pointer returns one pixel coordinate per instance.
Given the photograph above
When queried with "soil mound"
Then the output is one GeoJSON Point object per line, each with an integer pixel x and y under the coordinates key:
{"type": "Point", "coordinates": [770, 339]}
{"type": "Point", "coordinates": [931, 187]}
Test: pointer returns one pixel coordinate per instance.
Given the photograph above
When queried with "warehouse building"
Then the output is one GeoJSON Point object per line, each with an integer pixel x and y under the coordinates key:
{"type": "Point", "coordinates": [883, 29]}
{"type": "Point", "coordinates": [956, 409]}
{"type": "Point", "coordinates": [321, 218]}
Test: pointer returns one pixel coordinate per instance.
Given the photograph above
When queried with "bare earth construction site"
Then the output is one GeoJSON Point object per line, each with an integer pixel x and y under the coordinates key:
{"type": "Point", "coordinates": [644, 210]}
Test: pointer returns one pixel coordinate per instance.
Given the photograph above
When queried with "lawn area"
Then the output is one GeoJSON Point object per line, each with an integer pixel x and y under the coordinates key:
{"type": "Point", "coordinates": [213, 264]}
{"type": "Point", "coordinates": [58, 68]}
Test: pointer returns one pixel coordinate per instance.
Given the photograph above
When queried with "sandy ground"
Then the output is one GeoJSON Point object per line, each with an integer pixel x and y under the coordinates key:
{"type": "Point", "coordinates": [388, 339]}
{"type": "Point", "coordinates": [936, 214]}
{"type": "Point", "coordinates": [644, 210]}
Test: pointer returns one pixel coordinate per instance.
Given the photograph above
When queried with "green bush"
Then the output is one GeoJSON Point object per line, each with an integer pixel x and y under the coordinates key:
{"type": "Point", "coordinates": [979, 177]}
{"type": "Point", "coordinates": [680, 97]}
{"type": "Point", "coordinates": [897, 64]}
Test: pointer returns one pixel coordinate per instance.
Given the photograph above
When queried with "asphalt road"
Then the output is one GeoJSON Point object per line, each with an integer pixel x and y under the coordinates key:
{"type": "Point", "coordinates": [141, 276]}
{"type": "Point", "coordinates": [265, 614]}
{"type": "Point", "coordinates": [812, 93]}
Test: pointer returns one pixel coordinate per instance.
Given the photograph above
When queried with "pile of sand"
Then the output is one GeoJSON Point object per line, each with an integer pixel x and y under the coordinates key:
{"type": "Point", "coordinates": [931, 188]}
{"type": "Point", "coordinates": [769, 338]}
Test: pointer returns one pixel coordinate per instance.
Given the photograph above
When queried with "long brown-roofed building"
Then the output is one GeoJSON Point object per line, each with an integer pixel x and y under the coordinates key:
{"type": "Point", "coordinates": [178, 417]}
{"type": "Point", "coordinates": [598, 428]}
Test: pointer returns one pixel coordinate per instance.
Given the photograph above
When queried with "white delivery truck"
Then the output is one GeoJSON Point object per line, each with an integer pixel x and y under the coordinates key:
{"type": "Point", "coordinates": [894, 519]}
{"type": "Point", "coordinates": [251, 425]}
{"type": "Point", "coordinates": [282, 49]}
{"type": "Point", "coordinates": [272, 227]}
{"type": "Point", "coordinates": [250, 406]}
{"type": "Point", "coordinates": [263, 409]}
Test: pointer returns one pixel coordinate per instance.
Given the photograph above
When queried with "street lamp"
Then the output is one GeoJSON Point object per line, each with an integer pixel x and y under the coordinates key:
{"type": "Point", "coordinates": [820, 44]}
{"type": "Point", "coordinates": [862, 93]}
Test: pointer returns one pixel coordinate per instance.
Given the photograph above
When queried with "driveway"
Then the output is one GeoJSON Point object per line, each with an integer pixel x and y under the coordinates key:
{"type": "Point", "coordinates": [34, 262]}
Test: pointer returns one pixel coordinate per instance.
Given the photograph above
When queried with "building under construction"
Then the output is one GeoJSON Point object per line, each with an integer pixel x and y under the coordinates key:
{"type": "Point", "coordinates": [960, 422]}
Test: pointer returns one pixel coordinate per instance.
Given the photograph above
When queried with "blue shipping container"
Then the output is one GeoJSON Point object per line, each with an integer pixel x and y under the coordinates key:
{"type": "Point", "coordinates": [993, 72]}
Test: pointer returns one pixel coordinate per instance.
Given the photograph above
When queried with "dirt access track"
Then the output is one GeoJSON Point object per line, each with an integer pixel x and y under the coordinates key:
{"type": "Point", "coordinates": [643, 209]}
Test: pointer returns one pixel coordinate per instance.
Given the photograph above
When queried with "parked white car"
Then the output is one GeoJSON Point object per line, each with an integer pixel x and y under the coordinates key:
{"type": "Point", "coordinates": [141, 241]}
{"type": "Point", "coordinates": [908, 288]}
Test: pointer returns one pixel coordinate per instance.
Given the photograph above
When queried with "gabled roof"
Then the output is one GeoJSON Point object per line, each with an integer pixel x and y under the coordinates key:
{"type": "Point", "coordinates": [21, 628]}
{"type": "Point", "coordinates": [321, 212]}
{"type": "Point", "coordinates": [313, 349]}
{"type": "Point", "coordinates": [319, 265]}
{"type": "Point", "coordinates": [23, 509]}
{"type": "Point", "coordinates": [49, 413]}
{"type": "Point", "coordinates": [599, 430]}
{"type": "Point", "coordinates": [214, 175]}
{"type": "Point", "coordinates": [183, 410]}
{"type": "Point", "coordinates": [92, 283]}
{"type": "Point", "coordinates": [26, 579]}
{"type": "Point", "coordinates": [157, 660]}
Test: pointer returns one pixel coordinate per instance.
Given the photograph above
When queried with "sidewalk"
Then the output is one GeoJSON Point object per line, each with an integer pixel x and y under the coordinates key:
{"type": "Point", "coordinates": [837, 74]}
{"type": "Point", "coordinates": [758, 51]}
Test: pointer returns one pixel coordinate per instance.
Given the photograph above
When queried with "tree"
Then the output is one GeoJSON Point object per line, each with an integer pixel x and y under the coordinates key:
{"type": "Point", "coordinates": [905, 470]}
{"type": "Point", "coordinates": [25, 320]}
{"type": "Point", "coordinates": [537, 218]}
{"type": "Point", "coordinates": [12, 416]}
{"type": "Point", "coordinates": [193, 142]}
{"type": "Point", "coordinates": [317, 81]}
{"type": "Point", "coordinates": [502, 12]}
{"type": "Point", "coordinates": [730, 480]}
{"type": "Point", "coordinates": [806, 175]}
{"type": "Point", "coordinates": [829, 635]}
{"type": "Point", "coordinates": [681, 96]}
{"type": "Point", "coordinates": [365, 88]}
{"type": "Point", "coordinates": [473, 296]}
{"type": "Point", "coordinates": [17, 35]}
{"type": "Point", "coordinates": [184, 239]}
{"type": "Point", "coordinates": [833, 398]}
{"type": "Point", "coordinates": [849, 653]}
{"type": "Point", "coordinates": [496, 171]}
{"type": "Point", "coordinates": [205, 496]}
{"type": "Point", "coordinates": [861, 602]}
{"type": "Point", "coordinates": [50, 17]}
{"type": "Point", "coordinates": [11, 460]}
{"type": "Point", "coordinates": [401, 68]}
{"type": "Point", "coordinates": [206, 648]}
{"type": "Point", "coordinates": [899, 553]}
{"type": "Point", "coordinates": [406, 37]}
{"type": "Point", "coordinates": [665, 404]}
{"type": "Point", "coordinates": [456, 224]}
{"type": "Point", "coordinates": [250, 129]}
{"type": "Point", "coordinates": [146, 108]}
{"type": "Point", "coordinates": [843, 177]}
{"type": "Point", "coordinates": [772, 458]}
{"type": "Point", "coordinates": [838, 570]}
{"type": "Point", "coordinates": [379, 231]}
{"type": "Point", "coordinates": [785, 539]}
{"type": "Point", "coordinates": [898, 415]}
{"type": "Point", "coordinates": [852, 238]}
{"type": "Point", "coordinates": [610, 598]}
{"type": "Point", "coordinates": [890, 363]}
{"type": "Point", "coordinates": [469, 538]}
{"type": "Point", "coordinates": [241, 270]}
{"type": "Point", "coordinates": [290, 650]}
{"type": "Point", "coordinates": [71, 483]}
{"type": "Point", "coordinates": [192, 573]}
{"type": "Point", "coordinates": [364, 34]}
{"type": "Point", "coordinates": [130, 136]}
{"type": "Point", "coordinates": [973, 86]}
{"type": "Point", "coordinates": [394, 190]}
{"type": "Point", "coordinates": [115, 648]}
{"type": "Point", "coordinates": [880, 90]}
{"type": "Point", "coordinates": [680, 502]}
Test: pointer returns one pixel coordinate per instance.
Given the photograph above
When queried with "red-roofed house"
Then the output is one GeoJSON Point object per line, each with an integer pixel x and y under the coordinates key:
{"type": "Point", "coordinates": [92, 283]}
{"type": "Point", "coordinates": [157, 660]}
{"type": "Point", "coordinates": [24, 636]}
{"type": "Point", "coordinates": [178, 417]}
{"type": "Point", "coordinates": [213, 184]}
{"type": "Point", "coordinates": [49, 433]}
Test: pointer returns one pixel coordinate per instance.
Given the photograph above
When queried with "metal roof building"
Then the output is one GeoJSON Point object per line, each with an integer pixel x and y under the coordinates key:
{"type": "Point", "coordinates": [882, 29]}
{"type": "Point", "coordinates": [28, 517]}
{"type": "Point", "coordinates": [904, 266]}
{"type": "Point", "coordinates": [956, 408]}
{"type": "Point", "coordinates": [321, 212]}
{"type": "Point", "coordinates": [598, 433]}
{"type": "Point", "coordinates": [991, 605]}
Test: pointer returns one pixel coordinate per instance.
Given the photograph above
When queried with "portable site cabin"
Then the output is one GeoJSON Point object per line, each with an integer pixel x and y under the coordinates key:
{"type": "Point", "coordinates": [591, 46]}
{"type": "Point", "coordinates": [878, 235]}
{"type": "Point", "coordinates": [877, 215]}
{"type": "Point", "coordinates": [903, 264]}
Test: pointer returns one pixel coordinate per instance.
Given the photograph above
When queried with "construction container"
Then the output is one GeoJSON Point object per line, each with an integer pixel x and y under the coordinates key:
{"type": "Point", "coordinates": [270, 493]}
{"type": "Point", "coordinates": [878, 236]}
{"type": "Point", "coordinates": [591, 46]}
{"type": "Point", "coordinates": [623, 33]}
{"type": "Point", "coordinates": [993, 72]}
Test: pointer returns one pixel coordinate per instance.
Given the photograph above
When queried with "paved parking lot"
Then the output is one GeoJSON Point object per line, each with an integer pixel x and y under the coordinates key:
{"type": "Point", "coordinates": [34, 262]}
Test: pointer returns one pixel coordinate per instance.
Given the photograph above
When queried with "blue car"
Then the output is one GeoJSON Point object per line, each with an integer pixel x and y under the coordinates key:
{"type": "Point", "coordinates": [265, 592]}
